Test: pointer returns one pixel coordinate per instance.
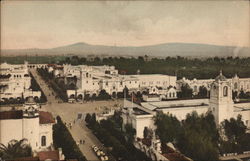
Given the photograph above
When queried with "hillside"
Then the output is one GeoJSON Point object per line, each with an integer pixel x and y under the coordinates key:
{"type": "Point", "coordinates": [162, 50]}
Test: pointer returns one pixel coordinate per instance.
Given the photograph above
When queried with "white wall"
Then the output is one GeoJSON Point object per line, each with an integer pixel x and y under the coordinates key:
{"type": "Point", "coordinates": [141, 122]}
{"type": "Point", "coordinates": [46, 130]}
{"type": "Point", "coordinates": [181, 113]}
{"type": "Point", "coordinates": [11, 129]}
{"type": "Point", "coordinates": [31, 131]}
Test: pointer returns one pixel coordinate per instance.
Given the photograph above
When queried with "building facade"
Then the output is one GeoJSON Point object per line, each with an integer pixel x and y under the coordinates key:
{"type": "Point", "coordinates": [92, 79]}
{"type": "Point", "coordinates": [220, 104]}
{"type": "Point", "coordinates": [28, 123]}
{"type": "Point", "coordinates": [238, 84]}
{"type": "Point", "coordinates": [15, 82]}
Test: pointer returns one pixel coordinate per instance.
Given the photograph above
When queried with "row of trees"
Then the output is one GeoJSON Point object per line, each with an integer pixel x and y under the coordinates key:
{"type": "Point", "coordinates": [244, 95]}
{"type": "Point", "coordinates": [57, 87]}
{"type": "Point", "coordinates": [110, 133]}
{"type": "Point", "coordinates": [180, 66]}
{"type": "Point", "coordinates": [103, 95]}
{"type": "Point", "coordinates": [187, 92]}
{"type": "Point", "coordinates": [198, 137]}
{"type": "Point", "coordinates": [12, 101]}
{"type": "Point", "coordinates": [236, 139]}
{"type": "Point", "coordinates": [35, 87]}
{"type": "Point", "coordinates": [63, 139]}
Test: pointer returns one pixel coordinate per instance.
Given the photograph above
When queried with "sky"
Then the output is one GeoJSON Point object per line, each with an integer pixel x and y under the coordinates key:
{"type": "Point", "coordinates": [48, 24]}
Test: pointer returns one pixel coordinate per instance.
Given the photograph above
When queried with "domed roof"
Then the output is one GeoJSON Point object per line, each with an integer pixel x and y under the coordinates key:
{"type": "Point", "coordinates": [220, 77]}
{"type": "Point", "coordinates": [30, 100]}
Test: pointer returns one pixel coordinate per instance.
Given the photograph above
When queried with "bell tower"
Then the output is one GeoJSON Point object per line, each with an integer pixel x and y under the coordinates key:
{"type": "Point", "coordinates": [31, 123]}
{"type": "Point", "coordinates": [221, 103]}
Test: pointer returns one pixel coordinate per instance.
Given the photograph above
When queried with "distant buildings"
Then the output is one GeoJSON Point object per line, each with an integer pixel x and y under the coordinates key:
{"type": "Point", "coordinates": [15, 82]}
{"type": "Point", "coordinates": [238, 84]}
{"type": "Point", "coordinates": [92, 79]}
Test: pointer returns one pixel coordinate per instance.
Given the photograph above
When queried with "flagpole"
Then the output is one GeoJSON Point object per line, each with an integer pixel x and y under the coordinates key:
{"type": "Point", "coordinates": [132, 99]}
{"type": "Point", "coordinates": [124, 94]}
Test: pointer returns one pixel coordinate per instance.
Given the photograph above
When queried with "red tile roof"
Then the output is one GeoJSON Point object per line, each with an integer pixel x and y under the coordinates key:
{"type": "Point", "coordinates": [51, 65]}
{"type": "Point", "coordinates": [25, 159]}
{"type": "Point", "coordinates": [45, 117]}
{"type": "Point", "coordinates": [5, 115]}
{"type": "Point", "coordinates": [53, 155]}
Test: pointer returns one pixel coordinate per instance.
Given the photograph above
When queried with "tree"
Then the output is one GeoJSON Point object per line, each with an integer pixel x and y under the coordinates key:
{"type": "Point", "coordinates": [145, 132]}
{"type": "Point", "coordinates": [243, 95]}
{"type": "Point", "coordinates": [198, 146]}
{"type": "Point", "coordinates": [15, 149]}
{"type": "Point", "coordinates": [92, 121]}
{"type": "Point", "coordinates": [103, 95]}
{"type": "Point", "coordinates": [199, 131]}
{"type": "Point", "coordinates": [63, 138]}
{"type": "Point", "coordinates": [87, 118]}
{"type": "Point", "coordinates": [234, 94]}
{"type": "Point", "coordinates": [130, 132]}
{"type": "Point", "coordinates": [195, 131]}
{"type": "Point", "coordinates": [83, 60]}
{"type": "Point", "coordinates": [234, 128]}
{"type": "Point", "coordinates": [235, 133]}
{"type": "Point", "coordinates": [168, 127]}
{"type": "Point", "coordinates": [203, 93]}
{"type": "Point", "coordinates": [186, 92]}
{"type": "Point", "coordinates": [117, 118]}
{"type": "Point", "coordinates": [75, 60]}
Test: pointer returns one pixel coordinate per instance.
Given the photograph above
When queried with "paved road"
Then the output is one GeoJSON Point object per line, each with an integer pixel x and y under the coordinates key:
{"type": "Point", "coordinates": [48, 92]}
{"type": "Point", "coordinates": [69, 112]}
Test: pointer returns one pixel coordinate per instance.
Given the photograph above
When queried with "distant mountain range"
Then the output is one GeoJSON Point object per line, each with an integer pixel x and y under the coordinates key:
{"type": "Point", "coordinates": [159, 50]}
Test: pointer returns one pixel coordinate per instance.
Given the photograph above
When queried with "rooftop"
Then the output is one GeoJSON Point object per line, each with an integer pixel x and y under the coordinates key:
{"type": "Point", "coordinates": [44, 117]}
{"type": "Point", "coordinates": [53, 155]}
{"type": "Point", "coordinates": [138, 111]}
{"type": "Point", "coordinates": [174, 104]}
{"type": "Point", "coordinates": [5, 115]}
{"type": "Point", "coordinates": [221, 77]}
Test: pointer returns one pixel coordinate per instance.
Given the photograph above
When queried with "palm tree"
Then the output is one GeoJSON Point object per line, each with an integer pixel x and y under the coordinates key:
{"type": "Point", "coordinates": [15, 149]}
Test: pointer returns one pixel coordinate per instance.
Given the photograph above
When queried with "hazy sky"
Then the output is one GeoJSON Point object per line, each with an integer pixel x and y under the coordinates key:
{"type": "Point", "coordinates": [47, 24]}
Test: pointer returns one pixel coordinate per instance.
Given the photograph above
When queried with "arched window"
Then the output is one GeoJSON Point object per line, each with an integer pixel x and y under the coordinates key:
{"type": "Point", "coordinates": [43, 141]}
{"type": "Point", "coordinates": [195, 88]}
{"type": "Point", "coordinates": [225, 91]}
{"type": "Point", "coordinates": [235, 85]}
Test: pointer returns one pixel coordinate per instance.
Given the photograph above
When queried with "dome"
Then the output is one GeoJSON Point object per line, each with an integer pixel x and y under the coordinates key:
{"type": "Point", "coordinates": [220, 77]}
{"type": "Point", "coordinates": [30, 100]}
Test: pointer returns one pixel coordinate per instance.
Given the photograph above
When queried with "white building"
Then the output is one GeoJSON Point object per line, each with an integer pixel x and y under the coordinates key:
{"type": "Point", "coordinates": [238, 84]}
{"type": "Point", "coordinates": [92, 79]}
{"type": "Point", "coordinates": [164, 93]}
{"type": "Point", "coordinates": [153, 80]}
{"type": "Point", "coordinates": [220, 103]}
{"type": "Point", "coordinates": [15, 82]}
{"type": "Point", "coordinates": [29, 123]}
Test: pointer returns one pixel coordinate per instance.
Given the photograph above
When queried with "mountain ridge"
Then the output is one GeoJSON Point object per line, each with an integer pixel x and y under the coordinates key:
{"type": "Point", "coordinates": [157, 50]}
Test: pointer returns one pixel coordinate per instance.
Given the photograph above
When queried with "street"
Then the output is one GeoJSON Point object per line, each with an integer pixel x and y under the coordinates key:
{"type": "Point", "coordinates": [68, 112]}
